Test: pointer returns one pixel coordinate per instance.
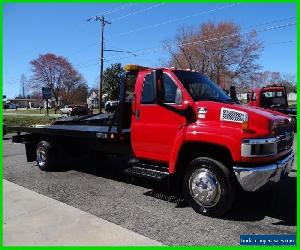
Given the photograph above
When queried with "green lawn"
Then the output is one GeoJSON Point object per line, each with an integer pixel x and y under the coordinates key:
{"type": "Point", "coordinates": [11, 120]}
{"type": "Point", "coordinates": [30, 111]}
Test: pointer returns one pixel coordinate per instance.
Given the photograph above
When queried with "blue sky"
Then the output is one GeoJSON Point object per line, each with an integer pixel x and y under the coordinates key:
{"type": "Point", "coordinates": [33, 29]}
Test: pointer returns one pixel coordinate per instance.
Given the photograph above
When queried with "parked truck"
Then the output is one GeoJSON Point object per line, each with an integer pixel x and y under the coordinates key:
{"type": "Point", "coordinates": [179, 126]}
{"type": "Point", "coordinates": [273, 97]}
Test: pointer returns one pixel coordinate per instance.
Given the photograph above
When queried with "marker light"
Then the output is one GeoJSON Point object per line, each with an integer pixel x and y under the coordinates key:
{"type": "Point", "coordinates": [132, 67]}
{"type": "Point", "coordinates": [245, 125]}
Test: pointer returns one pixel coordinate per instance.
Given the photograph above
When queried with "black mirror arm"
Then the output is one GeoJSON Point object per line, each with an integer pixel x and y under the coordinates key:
{"type": "Point", "coordinates": [188, 112]}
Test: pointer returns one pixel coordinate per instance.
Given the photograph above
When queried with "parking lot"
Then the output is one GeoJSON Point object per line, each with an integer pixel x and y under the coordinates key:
{"type": "Point", "coordinates": [103, 190]}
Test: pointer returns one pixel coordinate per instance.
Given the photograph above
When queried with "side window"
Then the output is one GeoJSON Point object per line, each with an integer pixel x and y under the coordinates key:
{"type": "Point", "coordinates": [170, 89]}
{"type": "Point", "coordinates": [148, 96]}
{"type": "Point", "coordinates": [130, 83]}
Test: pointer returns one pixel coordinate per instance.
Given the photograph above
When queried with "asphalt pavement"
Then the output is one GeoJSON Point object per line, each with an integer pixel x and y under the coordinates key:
{"type": "Point", "coordinates": [102, 190]}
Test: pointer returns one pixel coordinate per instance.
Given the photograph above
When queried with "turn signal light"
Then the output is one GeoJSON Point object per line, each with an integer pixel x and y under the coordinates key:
{"type": "Point", "coordinates": [245, 125]}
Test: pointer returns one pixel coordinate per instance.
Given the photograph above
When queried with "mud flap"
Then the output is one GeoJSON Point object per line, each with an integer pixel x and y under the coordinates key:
{"type": "Point", "coordinates": [30, 151]}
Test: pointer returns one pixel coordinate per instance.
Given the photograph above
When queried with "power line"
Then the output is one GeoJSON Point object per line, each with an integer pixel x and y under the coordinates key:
{"type": "Point", "coordinates": [137, 12]}
{"type": "Point", "coordinates": [120, 51]}
{"type": "Point", "coordinates": [103, 23]}
{"type": "Point", "coordinates": [150, 26]}
{"type": "Point", "coordinates": [111, 11]}
{"type": "Point", "coordinates": [174, 20]}
{"type": "Point", "coordinates": [117, 9]}
{"type": "Point", "coordinates": [266, 45]}
{"type": "Point", "coordinates": [273, 21]}
{"type": "Point", "coordinates": [277, 43]}
{"type": "Point", "coordinates": [107, 12]}
{"type": "Point", "coordinates": [158, 49]}
{"type": "Point", "coordinates": [154, 49]}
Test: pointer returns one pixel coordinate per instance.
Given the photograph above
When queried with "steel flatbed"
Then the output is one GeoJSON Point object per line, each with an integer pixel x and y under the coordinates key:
{"type": "Point", "coordinates": [72, 130]}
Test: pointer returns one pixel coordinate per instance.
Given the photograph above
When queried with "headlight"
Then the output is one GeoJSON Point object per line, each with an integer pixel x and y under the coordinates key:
{"type": "Point", "coordinates": [259, 147]}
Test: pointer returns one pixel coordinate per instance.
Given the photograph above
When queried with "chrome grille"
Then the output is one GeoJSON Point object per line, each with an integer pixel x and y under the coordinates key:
{"type": "Point", "coordinates": [285, 134]}
{"type": "Point", "coordinates": [282, 129]}
{"type": "Point", "coordinates": [284, 144]}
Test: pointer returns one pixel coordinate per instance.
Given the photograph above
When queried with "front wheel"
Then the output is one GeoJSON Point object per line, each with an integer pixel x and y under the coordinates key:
{"type": "Point", "coordinates": [209, 187]}
{"type": "Point", "coordinates": [45, 156]}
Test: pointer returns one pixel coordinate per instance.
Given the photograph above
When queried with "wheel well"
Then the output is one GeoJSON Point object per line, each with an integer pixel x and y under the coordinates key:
{"type": "Point", "coordinates": [31, 143]}
{"type": "Point", "coordinates": [191, 151]}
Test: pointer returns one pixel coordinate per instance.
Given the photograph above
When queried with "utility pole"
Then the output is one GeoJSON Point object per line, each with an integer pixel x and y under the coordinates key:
{"type": "Point", "coordinates": [103, 22]}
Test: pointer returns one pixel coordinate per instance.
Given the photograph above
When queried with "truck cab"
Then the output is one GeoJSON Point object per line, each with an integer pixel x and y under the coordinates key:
{"type": "Point", "coordinates": [273, 97]}
{"type": "Point", "coordinates": [178, 124]}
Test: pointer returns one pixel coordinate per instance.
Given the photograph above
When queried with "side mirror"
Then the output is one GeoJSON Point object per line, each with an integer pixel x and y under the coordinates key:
{"type": "Point", "coordinates": [178, 97]}
{"type": "Point", "coordinates": [248, 97]}
{"type": "Point", "coordinates": [158, 78]}
{"type": "Point", "coordinates": [232, 93]}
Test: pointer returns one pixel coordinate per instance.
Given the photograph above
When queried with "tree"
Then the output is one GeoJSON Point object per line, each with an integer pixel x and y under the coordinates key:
{"type": "Point", "coordinates": [261, 79]}
{"type": "Point", "coordinates": [56, 73]}
{"type": "Point", "coordinates": [23, 86]}
{"type": "Point", "coordinates": [111, 80]}
{"type": "Point", "coordinates": [79, 94]}
{"type": "Point", "coordinates": [73, 82]}
{"type": "Point", "coordinates": [218, 51]}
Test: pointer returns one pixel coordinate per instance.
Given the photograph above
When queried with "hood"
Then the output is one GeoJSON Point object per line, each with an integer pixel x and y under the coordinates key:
{"type": "Point", "coordinates": [260, 121]}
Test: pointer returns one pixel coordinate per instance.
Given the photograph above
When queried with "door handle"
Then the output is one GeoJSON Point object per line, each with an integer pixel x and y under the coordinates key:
{"type": "Point", "coordinates": [137, 115]}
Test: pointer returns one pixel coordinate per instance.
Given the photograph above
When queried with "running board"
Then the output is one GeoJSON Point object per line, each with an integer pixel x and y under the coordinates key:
{"type": "Point", "coordinates": [146, 172]}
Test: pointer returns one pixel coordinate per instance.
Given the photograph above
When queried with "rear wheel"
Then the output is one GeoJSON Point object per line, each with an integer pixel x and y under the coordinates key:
{"type": "Point", "coordinates": [208, 187]}
{"type": "Point", "coordinates": [45, 157]}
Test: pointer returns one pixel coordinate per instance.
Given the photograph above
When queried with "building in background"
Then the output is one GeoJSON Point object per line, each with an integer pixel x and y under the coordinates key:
{"type": "Point", "coordinates": [93, 100]}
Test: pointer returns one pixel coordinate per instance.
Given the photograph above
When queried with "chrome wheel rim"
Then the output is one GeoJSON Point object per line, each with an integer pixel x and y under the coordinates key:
{"type": "Point", "coordinates": [41, 155]}
{"type": "Point", "coordinates": [204, 188]}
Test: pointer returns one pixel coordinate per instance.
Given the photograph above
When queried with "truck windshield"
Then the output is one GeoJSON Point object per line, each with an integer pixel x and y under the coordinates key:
{"type": "Point", "coordinates": [200, 87]}
{"type": "Point", "coordinates": [273, 99]}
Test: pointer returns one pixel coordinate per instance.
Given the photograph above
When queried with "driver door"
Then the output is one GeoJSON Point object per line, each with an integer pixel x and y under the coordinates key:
{"type": "Point", "coordinates": [154, 127]}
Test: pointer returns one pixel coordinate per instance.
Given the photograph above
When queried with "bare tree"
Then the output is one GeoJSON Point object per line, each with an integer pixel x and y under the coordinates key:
{"type": "Point", "coordinates": [264, 78]}
{"type": "Point", "coordinates": [56, 73]}
{"type": "Point", "coordinates": [23, 86]}
{"type": "Point", "coordinates": [79, 94]}
{"type": "Point", "coordinates": [218, 51]}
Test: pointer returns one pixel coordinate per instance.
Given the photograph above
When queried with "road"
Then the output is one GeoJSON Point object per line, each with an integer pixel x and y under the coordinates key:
{"type": "Point", "coordinates": [143, 207]}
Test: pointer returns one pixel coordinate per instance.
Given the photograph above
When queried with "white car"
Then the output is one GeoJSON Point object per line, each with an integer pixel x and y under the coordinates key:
{"type": "Point", "coordinates": [66, 109]}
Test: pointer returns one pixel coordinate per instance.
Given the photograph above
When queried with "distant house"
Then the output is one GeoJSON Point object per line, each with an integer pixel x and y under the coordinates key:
{"type": "Point", "coordinates": [93, 100]}
{"type": "Point", "coordinates": [25, 102]}
{"type": "Point", "coordinates": [292, 97]}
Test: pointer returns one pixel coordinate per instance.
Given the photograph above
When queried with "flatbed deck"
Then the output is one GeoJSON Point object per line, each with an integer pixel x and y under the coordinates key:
{"type": "Point", "coordinates": [70, 130]}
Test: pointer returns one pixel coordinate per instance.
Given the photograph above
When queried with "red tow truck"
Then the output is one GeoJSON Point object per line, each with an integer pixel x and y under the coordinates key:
{"type": "Point", "coordinates": [180, 126]}
{"type": "Point", "coordinates": [273, 97]}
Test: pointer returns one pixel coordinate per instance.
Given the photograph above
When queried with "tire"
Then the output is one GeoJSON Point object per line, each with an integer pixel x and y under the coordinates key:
{"type": "Point", "coordinates": [45, 156]}
{"type": "Point", "coordinates": [221, 192]}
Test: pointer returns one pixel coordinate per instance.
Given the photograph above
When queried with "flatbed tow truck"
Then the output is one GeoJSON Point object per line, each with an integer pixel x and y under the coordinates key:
{"type": "Point", "coordinates": [179, 125]}
{"type": "Point", "coordinates": [274, 97]}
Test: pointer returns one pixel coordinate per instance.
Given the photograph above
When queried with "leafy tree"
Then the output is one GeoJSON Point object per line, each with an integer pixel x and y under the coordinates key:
{"type": "Point", "coordinates": [111, 80]}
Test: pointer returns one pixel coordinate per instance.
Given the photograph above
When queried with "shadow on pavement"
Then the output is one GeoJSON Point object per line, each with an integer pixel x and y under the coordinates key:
{"type": "Point", "coordinates": [277, 201]}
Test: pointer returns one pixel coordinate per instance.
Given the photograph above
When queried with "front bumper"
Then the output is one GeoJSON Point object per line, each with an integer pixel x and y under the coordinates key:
{"type": "Point", "coordinates": [252, 178]}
